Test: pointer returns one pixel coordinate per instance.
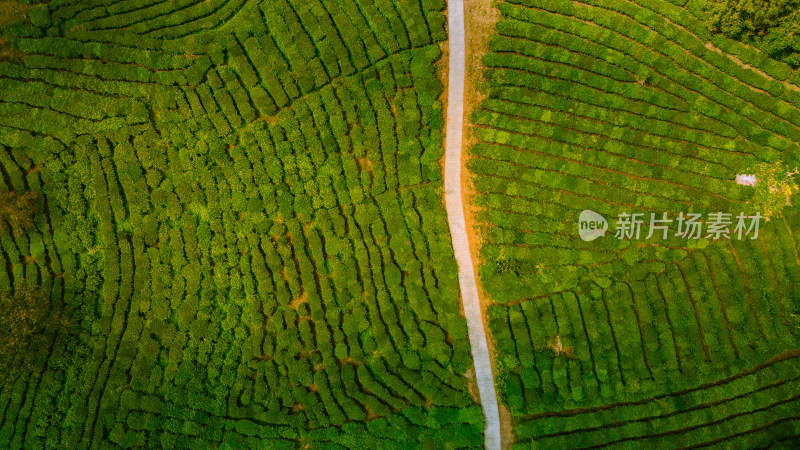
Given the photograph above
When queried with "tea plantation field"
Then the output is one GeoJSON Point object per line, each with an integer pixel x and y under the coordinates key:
{"type": "Point", "coordinates": [632, 106]}
{"type": "Point", "coordinates": [241, 218]}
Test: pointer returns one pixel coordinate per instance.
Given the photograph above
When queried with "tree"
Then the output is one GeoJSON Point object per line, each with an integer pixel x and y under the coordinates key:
{"type": "Point", "coordinates": [25, 322]}
{"type": "Point", "coordinates": [771, 25]}
{"type": "Point", "coordinates": [16, 211]}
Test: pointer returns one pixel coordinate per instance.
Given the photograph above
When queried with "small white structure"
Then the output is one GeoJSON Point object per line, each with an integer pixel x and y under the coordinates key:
{"type": "Point", "coordinates": [746, 180]}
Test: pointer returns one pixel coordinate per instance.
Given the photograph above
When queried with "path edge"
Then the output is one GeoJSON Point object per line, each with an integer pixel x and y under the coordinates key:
{"type": "Point", "coordinates": [457, 222]}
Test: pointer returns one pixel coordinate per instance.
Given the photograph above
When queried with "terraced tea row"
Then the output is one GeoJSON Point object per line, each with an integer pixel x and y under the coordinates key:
{"type": "Point", "coordinates": [721, 413]}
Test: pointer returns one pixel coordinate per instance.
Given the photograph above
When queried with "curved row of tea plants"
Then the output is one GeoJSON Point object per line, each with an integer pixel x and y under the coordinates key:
{"type": "Point", "coordinates": [743, 411]}
{"type": "Point", "coordinates": [243, 216]}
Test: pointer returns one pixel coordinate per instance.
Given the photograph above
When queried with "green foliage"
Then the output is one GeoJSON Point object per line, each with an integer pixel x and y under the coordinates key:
{"type": "Point", "coordinates": [243, 201]}
{"type": "Point", "coordinates": [17, 211]}
{"type": "Point", "coordinates": [505, 264]}
{"type": "Point", "coordinates": [774, 189]}
{"type": "Point", "coordinates": [771, 25]}
{"type": "Point", "coordinates": [12, 11]}
{"type": "Point", "coordinates": [40, 16]}
{"type": "Point", "coordinates": [26, 326]}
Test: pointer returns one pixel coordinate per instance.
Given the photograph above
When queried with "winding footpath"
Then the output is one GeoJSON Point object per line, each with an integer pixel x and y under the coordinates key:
{"type": "Point", "coordinates": [458, 228]}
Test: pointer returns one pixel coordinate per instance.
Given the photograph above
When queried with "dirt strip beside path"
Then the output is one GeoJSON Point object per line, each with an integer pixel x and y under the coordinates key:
{"type": "Point", "coordinates": [458, 229]}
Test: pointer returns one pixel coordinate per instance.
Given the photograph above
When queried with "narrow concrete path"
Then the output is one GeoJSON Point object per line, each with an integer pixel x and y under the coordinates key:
{"type": "Point", "coordinates": [458, 228]}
